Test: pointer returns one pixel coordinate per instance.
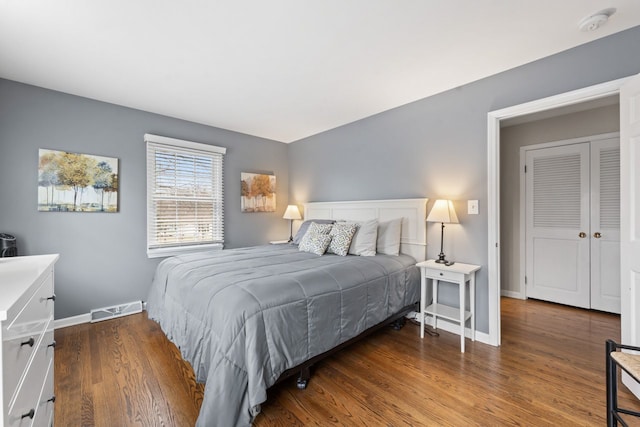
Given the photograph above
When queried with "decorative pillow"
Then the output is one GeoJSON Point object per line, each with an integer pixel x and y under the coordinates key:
{"type": "Point", "coordinates": [364, 240]}
{"type": "Point", "coordinates": [341, 235]}
{"type": "Point", "coordinates": [315, 243]}
{"type": "Point", "coordinates": [305, 226]}
{"type": "Point", "coordinates": [388, 241]}
{"type": "Point", "coordinates": [319, 228]}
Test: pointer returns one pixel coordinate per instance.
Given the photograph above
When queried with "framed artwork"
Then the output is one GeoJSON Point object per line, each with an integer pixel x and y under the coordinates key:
{"type": "Point", "coordinates": [72, 182]}
{"type": "Point", "coordinates": [258, 192]}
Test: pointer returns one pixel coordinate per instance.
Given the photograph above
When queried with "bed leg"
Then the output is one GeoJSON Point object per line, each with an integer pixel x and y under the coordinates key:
{"type": "Point", "coordinates": [398, 324]}
{"type": "Point", "coordinates": [303, 378]}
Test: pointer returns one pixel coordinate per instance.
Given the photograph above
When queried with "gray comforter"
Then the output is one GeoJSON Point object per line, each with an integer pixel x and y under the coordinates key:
{"type": "Point", "coordinates": [241, 317]}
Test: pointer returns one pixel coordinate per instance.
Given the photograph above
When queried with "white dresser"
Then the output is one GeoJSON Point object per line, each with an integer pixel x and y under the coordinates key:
{"type": "Point", "coordinates": [26, 315]}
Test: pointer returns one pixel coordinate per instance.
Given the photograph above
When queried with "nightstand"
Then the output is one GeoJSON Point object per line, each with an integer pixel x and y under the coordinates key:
{"type": "Point", "coordinates": [458, 273]}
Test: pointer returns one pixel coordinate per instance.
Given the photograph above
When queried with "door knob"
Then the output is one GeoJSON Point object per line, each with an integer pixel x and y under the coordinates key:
{"type": "Point", "coordinates": [582, 235]}
{"type": "Point", "coordinates": [597, 235]}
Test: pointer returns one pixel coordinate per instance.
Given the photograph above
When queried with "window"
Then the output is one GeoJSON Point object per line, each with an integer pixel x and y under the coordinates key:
{"type": "Point", "coordinates": [184, 196]}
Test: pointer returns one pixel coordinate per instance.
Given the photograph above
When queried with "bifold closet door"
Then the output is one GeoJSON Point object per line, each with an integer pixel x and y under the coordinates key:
{"type": "Point", "coordinates": [557, 224]}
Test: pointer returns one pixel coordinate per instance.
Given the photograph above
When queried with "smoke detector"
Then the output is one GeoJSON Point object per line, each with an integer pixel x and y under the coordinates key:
{"type": "Point", "coordinates": [597, 20]}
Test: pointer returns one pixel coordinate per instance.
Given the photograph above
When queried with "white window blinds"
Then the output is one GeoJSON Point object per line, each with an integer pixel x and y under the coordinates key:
{"type": "Point", "coordinates": [184, 195]}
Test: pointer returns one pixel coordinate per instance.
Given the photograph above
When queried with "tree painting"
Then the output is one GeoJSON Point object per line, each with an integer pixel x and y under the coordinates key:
{"type": "Point", "coordinates": [258, 192]}
{"type": "Point", "coordinates": [77, 182]}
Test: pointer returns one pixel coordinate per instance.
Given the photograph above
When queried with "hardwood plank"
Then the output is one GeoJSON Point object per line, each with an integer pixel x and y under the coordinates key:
{"type": "Point", "coordinates": [549, 371]}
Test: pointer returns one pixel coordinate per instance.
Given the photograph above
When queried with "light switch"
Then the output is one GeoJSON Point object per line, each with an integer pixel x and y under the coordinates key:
{"type": "Point", "coordinates": [472, 207]}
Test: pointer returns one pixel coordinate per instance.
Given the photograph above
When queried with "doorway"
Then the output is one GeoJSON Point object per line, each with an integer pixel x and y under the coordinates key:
{"type": "Point", "coordinates": [493, 170]}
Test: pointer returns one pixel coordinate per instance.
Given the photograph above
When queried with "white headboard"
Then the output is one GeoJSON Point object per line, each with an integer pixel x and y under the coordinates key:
{"type": "Point", "coordinates": [412, 211]}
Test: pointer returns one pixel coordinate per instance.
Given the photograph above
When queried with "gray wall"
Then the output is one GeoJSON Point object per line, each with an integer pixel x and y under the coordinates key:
{"type": "Point", "coordinates": [585, 123]}
{"type": "Point", "coordinates": [437, 147]}
{"type": "Point", "coordinates": [103, 256]}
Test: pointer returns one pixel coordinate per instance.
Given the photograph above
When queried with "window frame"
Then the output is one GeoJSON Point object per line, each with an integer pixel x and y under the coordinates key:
{"type": "Point", "coordinates": [179, 146]}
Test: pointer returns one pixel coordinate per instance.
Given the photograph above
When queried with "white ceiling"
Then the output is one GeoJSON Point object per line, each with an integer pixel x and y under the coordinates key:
{"type": "Point", "coordinates": [282, 69]}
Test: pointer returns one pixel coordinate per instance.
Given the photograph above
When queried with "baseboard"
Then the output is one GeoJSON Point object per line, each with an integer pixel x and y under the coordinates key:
{"type": "Point", "coordinates": [79, 319]}
{"type": "Point", "coordinates": [512, 294]}
{"type": "Point", "coordinates": [72, 321]}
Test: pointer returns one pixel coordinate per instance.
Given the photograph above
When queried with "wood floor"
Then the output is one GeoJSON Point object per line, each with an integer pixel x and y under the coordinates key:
{"type": "Point", "coordinates": [549, 371]}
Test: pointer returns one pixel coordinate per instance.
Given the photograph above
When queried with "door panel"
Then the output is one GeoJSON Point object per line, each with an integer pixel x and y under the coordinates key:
{"type": "Point", "coordinates": [605, 225]}
{"type": "Point", "coordinates": [556, 265]}
{"type": "Point", "coordinates": [557, 224]}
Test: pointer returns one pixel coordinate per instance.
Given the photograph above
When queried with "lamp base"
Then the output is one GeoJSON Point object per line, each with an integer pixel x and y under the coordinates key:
{"type": "Point", "coordinates": [441, 259]}
{"type": "Point", "coordinates": [290, 231]}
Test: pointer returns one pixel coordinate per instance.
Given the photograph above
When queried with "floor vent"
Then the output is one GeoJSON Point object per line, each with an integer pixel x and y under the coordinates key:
{"type": "Point", "coordinates": [107, 313]}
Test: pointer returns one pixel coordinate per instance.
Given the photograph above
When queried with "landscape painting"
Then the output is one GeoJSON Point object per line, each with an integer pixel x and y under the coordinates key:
{"type": "Point", "coordinates": [72, 182]}
{"type": "Point", "coordinates": [258, 192]}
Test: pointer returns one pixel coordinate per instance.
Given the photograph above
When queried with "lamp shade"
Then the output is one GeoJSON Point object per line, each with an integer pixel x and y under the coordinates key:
{"type": "Point", "coordinates": [443, 211]}
{"type": "Point", "coordinates": [292, 212]}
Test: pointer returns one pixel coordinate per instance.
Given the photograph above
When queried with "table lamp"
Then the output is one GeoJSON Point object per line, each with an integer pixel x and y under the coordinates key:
{"type": "Point", "coordinates": [442, 212]}
{"type": "Point", "coordinates": [291, 213]}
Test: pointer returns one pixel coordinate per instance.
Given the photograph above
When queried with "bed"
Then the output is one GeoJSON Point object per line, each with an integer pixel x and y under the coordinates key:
{"type": "Point", "coordinates": [246, 318]}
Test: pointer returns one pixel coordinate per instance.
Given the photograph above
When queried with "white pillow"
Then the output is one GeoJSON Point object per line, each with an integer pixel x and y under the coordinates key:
{"type": "Point", "coordinates": [389, 233]}
{"type": "Point", "coordinates": [363, 242]}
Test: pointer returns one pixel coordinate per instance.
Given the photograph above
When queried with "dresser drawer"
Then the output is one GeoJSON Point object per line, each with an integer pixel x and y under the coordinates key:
{"type": "Point", "coordinates": [33, 315]}
{"type": "Point", "coordinates": [44, 413]}
{"type": "Point", "coordinates": [444, 275]}
{"type": "Point", "coordinates": [31, 386]}
{"type": "Point", "coordinates": [16, 356]}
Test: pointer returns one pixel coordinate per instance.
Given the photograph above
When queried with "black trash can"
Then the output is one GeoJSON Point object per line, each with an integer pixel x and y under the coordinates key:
{"type": "Point", "coordinates": [8, 245]}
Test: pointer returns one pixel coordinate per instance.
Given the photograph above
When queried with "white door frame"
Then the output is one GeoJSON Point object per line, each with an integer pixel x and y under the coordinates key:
{"type": "Point", "coordinates": [493, 177]}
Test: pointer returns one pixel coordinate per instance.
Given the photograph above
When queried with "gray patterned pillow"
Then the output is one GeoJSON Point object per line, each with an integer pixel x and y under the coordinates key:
{"type": "Point", "coordinates": [315, 243]}
{"type": "Point", "coordinates": [341, 235]}
{"type": "Point", "coordinates": [305, 226]}
{"type": "Point", "coordinates": [319, 228]}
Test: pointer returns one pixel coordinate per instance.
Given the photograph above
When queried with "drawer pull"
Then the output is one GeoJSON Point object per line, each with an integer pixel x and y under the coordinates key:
{"type": "Point", "coordinates": [53, 344]}
{"type": "Point", "coordinates": [441, 274]}
{"type": "Point", "coordinates": [53, 399]}
{"type": "Point", "coordinates": [30, 342]}
{"type": "Point", "coordinates": [29, 414]}
{"type": "Point", "coordinates": [52, 297]}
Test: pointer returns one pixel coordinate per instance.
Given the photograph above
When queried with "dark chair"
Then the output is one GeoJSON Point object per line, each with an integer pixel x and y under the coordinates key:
{"type": "Point", "coordinates": [630, 363]}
